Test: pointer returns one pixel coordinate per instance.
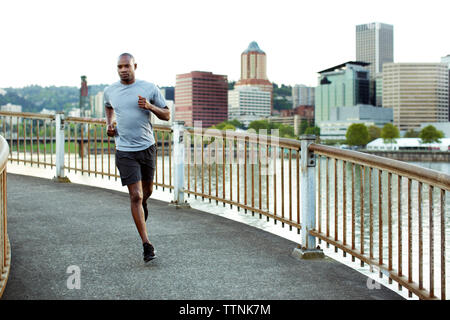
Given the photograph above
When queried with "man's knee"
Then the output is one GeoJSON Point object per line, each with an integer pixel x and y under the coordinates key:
{"type": "Point", "coordinates": [136, 196]}
{"type": "Point", "coordinates": [148, 191]}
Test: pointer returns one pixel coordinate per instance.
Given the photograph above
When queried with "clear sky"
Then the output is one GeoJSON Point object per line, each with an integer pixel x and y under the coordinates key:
{"type": "Point", "coordinates": [49, 42]}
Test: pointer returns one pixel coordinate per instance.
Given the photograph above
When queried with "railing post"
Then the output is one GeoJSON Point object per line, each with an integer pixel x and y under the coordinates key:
{"type": "Point", "coordinates": [178, 165]}
{"type": "Point", "coordinates": [60, 144]}
{"type": "Point", "coordinates": [308, 248]}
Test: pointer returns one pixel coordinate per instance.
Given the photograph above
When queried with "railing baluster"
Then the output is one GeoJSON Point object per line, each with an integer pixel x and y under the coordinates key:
{"type": "Point", "coordinates": [389, 193]}
{"type": "Point", "coordinates": [95, 146]}
{"type": "Point", "coordinates": [344, 205]}
{"type": "Point", "coordinates": [102, 143]}
{"type": "Point", "coordinates": [82, 148]}
{"type": "Point", "coordinates": [231, 153]}
{"type": "Point", "coordinates": [419, 223]}
{"type": "Point", "coordinates": [298, 188]}
{"type": "Point", "coordinates": [31, 140]}
{"type": "Point", "coordinates": [282, 185]}
{"type": "Point", "coordinates": [335, 205]}
{"type": "Point", "coordinates": [223, 170]}
{"type": "Point", "coordinates": [399, 223]}
{"type": "Point", "coordinates": [189, 159]}
{"type": "Point", "coordinates": [380, 220]}
{"type": "Point", "coordinates": [24, 129]}
{"type": "Point", "coordinates": [362, 187]}
{"type": "Point", "coordinates": [245, 174]}
{"type": "Point", "coordinates": [259, 179]}
{"type": "Point", "coordinates": [353, 210]}
{"type": "Point", "coordinates": [69, 144]}
{"type": "Point", "coordinates": [38, 142]}
{"type": "Point", "coordinates": [443, 273]}
{"type": "Point", "coordinates": [202, 164]}
{"type": "Point", "coordinates": [327, 198]}
{"type": "Point", "coordinates": [238, 165]}
{"type": "Point", "coordinates": [156, 162]}
{"type": "Point", "coordinates": [275, 154]}
{"type": "Point", "coordinates": [217, 168]}
{"type": "Point", "coordinates": [319, 193]}
{"type": "Point", "coordinates": [252, 163]}
{"type": "Point", "coordinates": [290, 187]}
{"type": "Point", "coordinates": [17, 140]}
{"type": "Point", "coordinates": [410, 270]}
{"type": "Point", "coordinates": [162, 158]}
{"type": "Point", "coordinates": [267, 181]}
{"type": "Point", "coordinates": [209, 169]}
{"type": "Point", "coordinates": [109, 157]}
{"type": "Point", "coordinates": [170, 160]}
{"type": "Point", "coordinates": [370, 218]}
{"type": "Point", "coordinates": [431, 227]}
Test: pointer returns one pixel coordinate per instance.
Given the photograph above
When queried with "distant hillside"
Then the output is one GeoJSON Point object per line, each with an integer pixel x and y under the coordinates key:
{"type": "Point", "coordinates": [35, 98]}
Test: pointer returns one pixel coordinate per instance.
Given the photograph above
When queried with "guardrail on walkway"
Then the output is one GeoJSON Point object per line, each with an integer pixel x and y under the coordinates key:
{"type": "Point", "coordinates": [392, 218]}
{"type": "Point", "coordinates": [5, 249]}
{"type": "Point", "coordinates": [352, 207]}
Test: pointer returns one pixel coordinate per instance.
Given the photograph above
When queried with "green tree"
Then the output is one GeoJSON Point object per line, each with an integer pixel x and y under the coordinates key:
{"type": "Point", "coordinates": [411, 133]}
{"type": "Point", "coordinates": [389, 133]}
{"type": "Point", "coordinates": [313, 130]}
{"type": "Point", "coordinates": [357, 134]}
{"type": "Point", "coordinates": [303, 126]}
{"type": "Point", "coordinates": [430, 134]}
{"type": "Point", "coordinates": [374, 132]}
{"type": "Point", "coordinates": [261, 124]}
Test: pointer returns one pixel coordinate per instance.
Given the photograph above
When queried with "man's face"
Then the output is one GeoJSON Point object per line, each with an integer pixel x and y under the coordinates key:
{"type": "Point", "coordinates": [126, 68]}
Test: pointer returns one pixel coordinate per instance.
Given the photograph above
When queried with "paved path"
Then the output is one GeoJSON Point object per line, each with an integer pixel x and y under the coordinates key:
{"type": "Point", "coordinates": [200, 256]}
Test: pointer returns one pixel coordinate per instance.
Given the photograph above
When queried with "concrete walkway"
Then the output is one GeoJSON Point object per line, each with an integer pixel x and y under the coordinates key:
{"type": "Point", "coordinates": [52, 226]}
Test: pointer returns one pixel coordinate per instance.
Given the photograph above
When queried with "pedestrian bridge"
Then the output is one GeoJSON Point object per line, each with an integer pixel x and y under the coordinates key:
{"type": "Point", "coordinates": [385, 214]}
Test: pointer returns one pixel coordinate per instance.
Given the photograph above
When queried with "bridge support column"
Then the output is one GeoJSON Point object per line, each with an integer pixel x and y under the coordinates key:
{"type": "Point", "coordinates": [308, 248]}
{"type": "Point", "coordinates": [178, 168]}
{"type": "Point", "coordinates": [60, 144]}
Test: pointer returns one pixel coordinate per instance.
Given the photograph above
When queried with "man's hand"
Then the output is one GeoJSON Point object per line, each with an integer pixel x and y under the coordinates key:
{"type": "Point", "coordinates": [111, 130]}
{"type": "Point", "coordinates": [143, 103]}
{"type": "Point", "coordinates": [161, 113]}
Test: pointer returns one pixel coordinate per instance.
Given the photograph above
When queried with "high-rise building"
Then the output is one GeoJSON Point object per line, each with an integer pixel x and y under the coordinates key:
{"type": "Point", "coordinates": [446, 60]}
{"type": "Point", "coordinates": [201, 96]}
{"type": "Point", "coordinates": [375, 45]}
{"type": "Point", "coordinates": [248, 101]}
{"type": "Point", "coordinates": [302, 96]}
{"type": "Point", "coordinates": [97, 105]}
{"type": "Point", "coordinates": [168, 93]}
{"type": "Point", "coordinates": [344, 85]}
{"type": "Point", "coordinates": [253, 69]}
{"type": "Point", "coordinates": [417, 92]}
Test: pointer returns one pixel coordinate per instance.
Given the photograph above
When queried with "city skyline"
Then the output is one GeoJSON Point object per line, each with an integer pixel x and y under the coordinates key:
{"type": "Point", "coordinates": [54, 43]}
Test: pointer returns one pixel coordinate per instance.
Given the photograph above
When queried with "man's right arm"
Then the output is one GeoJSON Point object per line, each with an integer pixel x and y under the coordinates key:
{"type": "Point", "coordinates": [109, 112]}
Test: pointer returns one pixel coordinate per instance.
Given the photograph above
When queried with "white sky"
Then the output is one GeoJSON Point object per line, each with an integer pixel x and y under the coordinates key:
{"type": "Point", "coordinates": [49, 42]}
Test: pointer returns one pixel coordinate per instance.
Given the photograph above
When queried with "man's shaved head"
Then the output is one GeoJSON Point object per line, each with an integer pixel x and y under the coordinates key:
{"type": "Point", "coordinates": [126, 54]}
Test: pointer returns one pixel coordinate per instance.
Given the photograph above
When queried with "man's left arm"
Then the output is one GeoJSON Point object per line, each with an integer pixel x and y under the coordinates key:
{"type": "Point", "coordinates": [161, 113]}
{"type": "Point", "coordinates": [157, 105]}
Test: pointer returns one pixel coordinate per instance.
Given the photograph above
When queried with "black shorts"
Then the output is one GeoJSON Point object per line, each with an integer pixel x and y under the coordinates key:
{"type": "Point", "coordinates": [136, 166]}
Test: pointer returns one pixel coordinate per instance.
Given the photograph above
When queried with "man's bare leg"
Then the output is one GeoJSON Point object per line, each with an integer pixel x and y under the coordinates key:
{"type": "Point", "coordinates": [147, 188]}
{"type": "Point", "coordinates": [137, 211]}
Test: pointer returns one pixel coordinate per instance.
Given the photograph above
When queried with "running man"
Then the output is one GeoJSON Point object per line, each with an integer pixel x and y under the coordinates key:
{"type": "Point", "coordinates": [131, 100]}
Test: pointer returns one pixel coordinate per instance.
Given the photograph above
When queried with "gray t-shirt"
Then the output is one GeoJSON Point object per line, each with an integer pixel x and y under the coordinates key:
{"type": "Point", "coordinates": [134, 130]}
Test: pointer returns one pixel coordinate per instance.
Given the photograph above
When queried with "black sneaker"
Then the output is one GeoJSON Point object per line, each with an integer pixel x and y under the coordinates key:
{"type": "Point", "coordinates": [144, 205]}
{"type": "Point", "coordinates": [149, 252]}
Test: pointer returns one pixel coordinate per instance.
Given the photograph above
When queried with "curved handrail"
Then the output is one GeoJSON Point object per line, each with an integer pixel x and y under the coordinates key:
{"type": "Point", "coordinates": [404, 169]}
{"type": "Point", "coordinates": [5, 251]}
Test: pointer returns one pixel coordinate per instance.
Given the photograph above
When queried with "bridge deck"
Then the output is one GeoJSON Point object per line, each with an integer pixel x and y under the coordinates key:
{"type": "Point", "coordinates": [52, 226]}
